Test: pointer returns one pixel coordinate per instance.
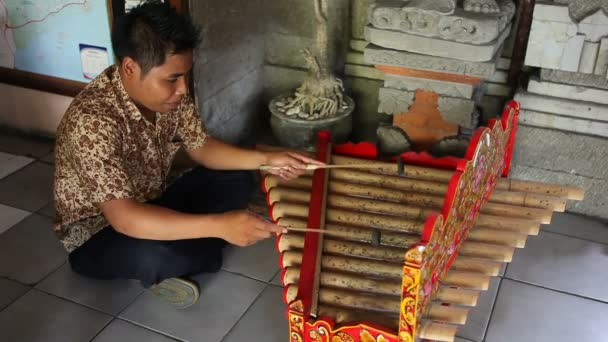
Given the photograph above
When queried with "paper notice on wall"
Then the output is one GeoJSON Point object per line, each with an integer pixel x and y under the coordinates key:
{"type": "Point", "coordinates": [94, 59]}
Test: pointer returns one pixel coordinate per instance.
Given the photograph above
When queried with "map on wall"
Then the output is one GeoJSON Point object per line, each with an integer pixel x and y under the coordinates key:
{"type": "Point", "coordinates": [68, 39]}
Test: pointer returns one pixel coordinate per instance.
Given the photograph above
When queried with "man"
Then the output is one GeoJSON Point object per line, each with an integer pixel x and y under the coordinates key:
{"type": "Point", "coordinates": [116, 214]}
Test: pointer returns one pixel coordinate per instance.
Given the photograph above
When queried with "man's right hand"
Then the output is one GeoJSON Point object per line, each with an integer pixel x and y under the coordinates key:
{"type": "Point", "coordinates": [243, 228]}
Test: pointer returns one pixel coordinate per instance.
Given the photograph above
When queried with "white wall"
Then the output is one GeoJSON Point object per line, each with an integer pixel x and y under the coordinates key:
{"type": "Point", "coordinates": [31, 110]}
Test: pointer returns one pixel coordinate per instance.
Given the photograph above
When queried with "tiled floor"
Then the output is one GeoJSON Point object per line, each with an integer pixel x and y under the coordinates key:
{"type": "Point", "coordinates": [554, 290]}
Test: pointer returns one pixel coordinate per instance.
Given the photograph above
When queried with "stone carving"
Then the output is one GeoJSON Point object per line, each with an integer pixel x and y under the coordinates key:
{"type": "Point", "coordinates": [580, 9]}
{"type": "Point", "coordinates": [436, 46]}
{"type": "Point", "coordinates": [557, 42]}
{"type": "Point", "coordinates": [574, 78]}
{"type": "Point", "coordinates": [483, 6]}
{"type": "Point", "coordinates": [375, 55]}
{"type": "Point", "coordinates": [430, 18]}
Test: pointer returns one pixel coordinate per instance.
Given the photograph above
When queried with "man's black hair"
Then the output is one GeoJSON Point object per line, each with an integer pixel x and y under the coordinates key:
{"type": "Point", "coordinates": [150, 32]}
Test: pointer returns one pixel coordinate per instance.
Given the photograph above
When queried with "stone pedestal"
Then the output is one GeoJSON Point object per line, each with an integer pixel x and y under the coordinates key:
{"type": "Point", "coordinates": [436, 64]}
{"type": "Point", "coordinates": [563, 134]}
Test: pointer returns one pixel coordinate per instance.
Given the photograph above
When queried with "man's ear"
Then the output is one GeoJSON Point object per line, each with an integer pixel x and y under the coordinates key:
{"type": "Point", "coordinates": [130, 68]}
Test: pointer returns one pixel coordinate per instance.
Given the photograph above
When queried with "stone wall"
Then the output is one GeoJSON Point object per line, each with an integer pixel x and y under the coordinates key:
{"type": "Point", "coordinates": [563, 135]}
{"type": "Point", "coordinates": [228, 70]}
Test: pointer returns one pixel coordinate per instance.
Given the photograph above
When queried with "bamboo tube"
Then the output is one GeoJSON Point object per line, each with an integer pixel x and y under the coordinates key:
{"type": "Point", "coordinates": [392, 254]}
{"type": "Point", "coordinates": [388, 287]}
{"type": "Point", "coordinates": [476, 265]}
{"type": "Point", "coordinates": [448, 314]}
{"type": "Point", "coordinates": [523, 226]}
{"type": "Point", "coordinates": [381, 286]}
{"type": "Point", "coordinates": [349, 299]}
{"type": "Point", "coordinates": [369, 268]}
{"type": "Point", "coordinates": [286, 196]}
{"type": "Point", "coordinates": [499, 237]}
{"type": "Point", "coordinates": [420, 200]}
{"type": "Point", "coordinates": [487, 251]}
{"type": "Point", "coordinates": [335, 297]}
{"type": "Point", "coordinates": [387, 238]}
{"type": "Point", "coordinates": [570, 192]}
{"type": "Point", "coordinates": [539, 215]}
{"type": "Point", "coordinates": [525, 199]}
{"type": "Point", "coordinates": [381, 269]}
{"type": "Point", "coordinates": [340, 216]}
{"type": "Point", "coordinates": [281, 193]}
{"type": "Point", "coordinates": [356, 233]}
{"type": "Point", "coordinates": [444, 176]}
{"type": "Point", "coordinates": [433, 331]}
{"type": "Point", "coordinates": [354, 259]}
{"type": "Point", "coordinates": [476, 249]}
{"type": "Point", "coordinates": [457, 296]}
{"type": "Point", "coordinates": [468, 280]}
{"type": "Point", "coordinates": [436, 175]}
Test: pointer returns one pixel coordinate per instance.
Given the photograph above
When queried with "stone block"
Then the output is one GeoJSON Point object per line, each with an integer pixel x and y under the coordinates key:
{"type": "Point", "coordinates": [286, 50]}
{"type": "Point", "coordinates": [291, 17]}
{"type": "Point", "coordinates": [378, 55]}
{"type": "Point", "coordinates": [355, 57]}
{"type": "Point", "coordinates": [563, 123]}
{"type": "Point", "coordinates": [359, 17]}
{"type": "Point", "coordinates": [454, 110]}
{"type": "Point", "coordinates": [568, 91]}
{"type": "Point", "coordinates": [497, 89]}
{"type": "Point", "coordinates": [453, 24]}
{"type": "Point", "coordinates": [558, 157]}
{"type": "Point", "coordinates": [499, 76]}
{"type": "Point", "coordinates": [553, 44]}
{"type": "Point", "coordinates": [363, 71]}
{"type": "Point", "coordinates": [297, 18]}
{"type": "Point", "coordinates": [227, 25]}
{"type": "Point", "coordinates": [503, 63]}
{"type": "Point", "coordinates": [588, 57]}
{"type": "Point", "coordinates": [394, 101]}
{"type": "Point", "coordinates": [211, 77]}
{"type": "Point", "coordinates": [411, 84]}
{"type": "Point", "coordinates": [594, 27]}
{"type": "Point", "coordinates": [434, 46]}
{"type": "Point", "coordinates": [601, 65]}
{"type": "Point", "coordinates": [557, 42]}
{"type": "Point", "coordinates": [560, 106]}
{"type": "Point", "coordinates": [561, 151]}
{"type": "Point", "coordinates": [392, 140]}
{"type": "Point", "coordinates": [234, 113]}
{"type": "Point", "coordinates": [365, 116]}
{"type": "Point", "coordinates": [358, 45]}
{"type": "Point", "coordinates": [594, 204]}
{"type": "Point", "coordinates": [574, 78]}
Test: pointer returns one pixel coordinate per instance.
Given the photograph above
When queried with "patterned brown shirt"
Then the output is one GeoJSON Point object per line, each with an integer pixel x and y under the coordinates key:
{"type": "Point", "coordinates": [106, 149]}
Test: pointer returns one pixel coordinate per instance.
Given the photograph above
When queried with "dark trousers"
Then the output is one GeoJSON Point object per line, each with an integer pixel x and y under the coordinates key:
{"type": "Point", "coordinates": [110, 254]}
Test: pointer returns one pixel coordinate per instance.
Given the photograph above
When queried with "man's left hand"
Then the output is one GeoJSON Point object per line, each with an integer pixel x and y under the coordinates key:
{"type": "Point", "coordinates": [289, 165]}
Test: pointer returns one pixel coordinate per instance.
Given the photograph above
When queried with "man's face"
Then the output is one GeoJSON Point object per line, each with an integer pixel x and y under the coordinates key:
{"type": "Point", "coordinates": [162, 88]}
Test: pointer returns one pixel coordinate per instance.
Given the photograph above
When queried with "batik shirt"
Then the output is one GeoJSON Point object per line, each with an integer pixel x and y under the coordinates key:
{"type": "Point", "coordinates": [106, 150]}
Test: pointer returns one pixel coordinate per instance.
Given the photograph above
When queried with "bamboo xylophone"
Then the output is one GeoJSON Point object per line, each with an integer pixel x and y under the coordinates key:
{"type": "Point", "coordinates": [404, 253]}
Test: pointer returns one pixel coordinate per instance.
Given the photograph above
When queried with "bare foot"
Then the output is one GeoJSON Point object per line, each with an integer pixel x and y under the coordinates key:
{"type": "Point", "coordinates": [482, 6]}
